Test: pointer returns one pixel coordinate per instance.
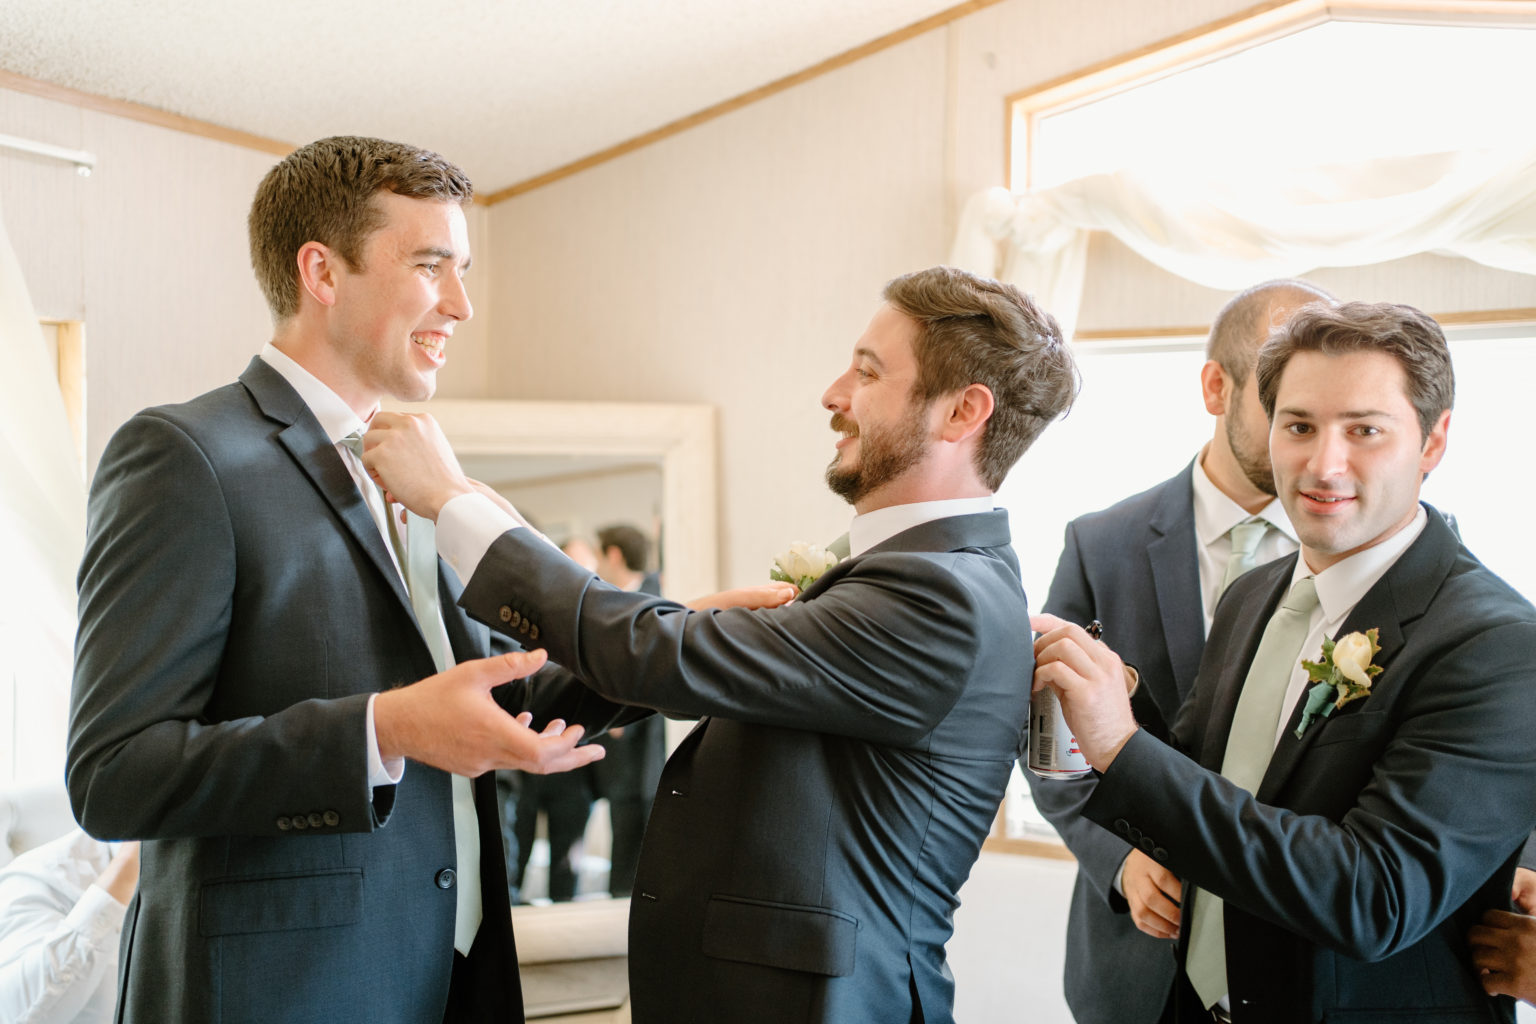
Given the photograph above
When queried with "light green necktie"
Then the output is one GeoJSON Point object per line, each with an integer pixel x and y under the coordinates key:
{"type": "Point", "coordinates": [417, 559]}
{"type": "Point", "coordinates": [1246, 537]}
{"type": "Point", "coordinates": [1250, 744]}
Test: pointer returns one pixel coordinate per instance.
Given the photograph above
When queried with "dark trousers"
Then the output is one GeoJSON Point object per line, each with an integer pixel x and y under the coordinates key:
{"type": "Point", "coordinates": [478, 990]}
{"type": "Point", "coordinates": [566, 800]}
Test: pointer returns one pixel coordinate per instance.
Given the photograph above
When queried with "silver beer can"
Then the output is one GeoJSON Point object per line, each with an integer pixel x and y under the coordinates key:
{"type": "Point", "coordinates": [1053, 750]}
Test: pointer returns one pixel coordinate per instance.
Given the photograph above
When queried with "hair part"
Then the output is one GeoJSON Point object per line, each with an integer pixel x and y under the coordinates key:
{"type": "Point", "coordinates": [1413, 338]}
{"type": "Point", "coordinates": [1243, 324]}
{"type": "Point", "coordinates": [632, 544]}
{"type": "Point", "coordinates": [323, 192]}
{"type": "Point", "coordinates": [974, 330]}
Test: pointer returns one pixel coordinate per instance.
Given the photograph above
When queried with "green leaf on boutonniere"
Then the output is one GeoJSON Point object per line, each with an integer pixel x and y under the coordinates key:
{"type": "Point", "coordinates": [1344, 674]}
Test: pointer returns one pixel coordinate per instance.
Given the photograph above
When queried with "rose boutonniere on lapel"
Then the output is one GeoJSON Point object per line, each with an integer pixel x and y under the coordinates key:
{"type": "Point", "coordinates": [1344, 674]}
{"type": "Point", "coordinates": [802, 565]}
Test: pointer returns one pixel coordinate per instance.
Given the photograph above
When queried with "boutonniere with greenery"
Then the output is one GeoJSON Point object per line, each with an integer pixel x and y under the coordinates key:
{"type": "Point", "coordinates": [1344, 674]}
{"type": "Point", "coordinates": [802, 565]}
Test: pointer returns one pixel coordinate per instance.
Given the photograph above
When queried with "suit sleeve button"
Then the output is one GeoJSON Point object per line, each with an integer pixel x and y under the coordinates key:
{"type": "Point", "coordinates": [1160, 855]}
{"type": "Point", "coordinates": [315, 820]}
{"type": "Point", "coordinates": [445, 878]}
{"type": "Point", "coordinates": [1122, 826]}
{"type": "Point", "coordinates": [1147, 844]}
{"type": "Point", "coordinates": [533, 634]}
{"type": "Point", "coordinates": [300, 822]}
{"type": "Point", "coordinates": [283, 824]}
{"type": "Point", "coordinates": [516, 619]}
{"type": "Point", "coordinates": [331, 818]}
{"type": "Point", "coordinates": [505, 613]}
{"type": "Point", "coordinates": [524, 626]}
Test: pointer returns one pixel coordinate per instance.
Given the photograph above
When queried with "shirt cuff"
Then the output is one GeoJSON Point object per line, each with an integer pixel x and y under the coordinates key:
{"type": "Point", "coordinates": [1120, 877]}
{"type": "Point", "coordinates": [467, 526]}
{"type": "Point", "coordinates": [97, 916]}
{"type": "Point", "coordinates": [379, 773]}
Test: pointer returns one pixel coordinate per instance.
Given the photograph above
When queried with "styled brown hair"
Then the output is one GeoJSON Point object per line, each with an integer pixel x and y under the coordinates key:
{"type": "Point", "coordinates": [1402, 332]}
{"type": "Point", "coordinates": [974, 330]}
{"type": "Point", "coordinates": [1242, 325]}
{"type": "Point", "coordinates": [632, 544]}
{"type": "Point", "coordinates": [323, 193]}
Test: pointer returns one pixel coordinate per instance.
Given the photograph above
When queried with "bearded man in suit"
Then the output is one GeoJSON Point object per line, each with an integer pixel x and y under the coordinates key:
{"type": "Point", "coordinates": [1336, 838]}
{"type": "Point", "coordinates": [810, 835]}
{"type": "Point", "coordinates": [1154, 566]}
{"type": "Point", "coordinates": [246, 594]}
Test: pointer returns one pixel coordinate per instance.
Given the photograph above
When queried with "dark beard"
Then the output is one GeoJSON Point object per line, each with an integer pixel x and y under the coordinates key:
{"type": "Point", "coordinates": [883, 456]}
{"type": "Point", "coordinates": [1258, 470]}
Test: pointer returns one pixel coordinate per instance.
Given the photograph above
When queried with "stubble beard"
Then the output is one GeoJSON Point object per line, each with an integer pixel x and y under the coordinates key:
{"type": "Point", "coordinates": [883, 455]}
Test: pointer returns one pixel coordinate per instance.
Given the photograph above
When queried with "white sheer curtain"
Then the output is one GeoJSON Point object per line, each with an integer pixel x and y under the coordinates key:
{"type": "Point", "coordinates": [1229, 234]}
{"type": "Point", "coordinates": [42, 530]}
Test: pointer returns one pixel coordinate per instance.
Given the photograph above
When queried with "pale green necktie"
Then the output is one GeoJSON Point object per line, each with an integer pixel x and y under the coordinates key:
{"type": "Point", "coordinates": [1250, 744]}
{"type": "Point", "coordinates": [417, 559]}
{"type": "Point", "coordinates": [1246, 537]}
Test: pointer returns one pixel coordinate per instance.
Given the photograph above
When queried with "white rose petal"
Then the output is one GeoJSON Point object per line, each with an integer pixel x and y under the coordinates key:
{"type": "Point", "coordinates": [804, 561]}
{"type": "Point", "coordinates": [1352, 656]}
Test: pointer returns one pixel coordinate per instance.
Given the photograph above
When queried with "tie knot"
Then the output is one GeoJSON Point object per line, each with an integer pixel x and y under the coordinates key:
{"type": "Point", "coordinates": [1246, 537]}
{"type": "Point", "coordinates": [1302, 597]}
{"type": "Point", "coordinates": [353, 443]}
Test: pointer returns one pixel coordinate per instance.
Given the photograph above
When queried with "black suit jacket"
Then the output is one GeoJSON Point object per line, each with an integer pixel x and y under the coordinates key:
{"type": "Point", "coordinates": [809, 836]}
{"type": "Point", "coordinates": [237, 607]}
{"type": "Point", "coordinates": [1383, 833]}
{"type": "Point", "coordinates": [1133, 566]}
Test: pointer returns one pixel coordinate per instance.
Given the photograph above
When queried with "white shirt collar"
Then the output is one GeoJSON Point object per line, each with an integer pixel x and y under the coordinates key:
{"type": "Point", "coordinates": [1341, 586]}
{"type": "Point", "coordinates": [336, 417]}
{"type": "Point", "coordinates": [1216, 514]}
{"type": "Point", "coordinates": [882, 524]}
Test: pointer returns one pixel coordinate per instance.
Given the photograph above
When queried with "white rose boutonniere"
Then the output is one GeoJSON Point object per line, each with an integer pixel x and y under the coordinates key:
{"type": "Point", "coordinates": [802, 565]}
{"type": "Point", "coordinates": [1344, 674]}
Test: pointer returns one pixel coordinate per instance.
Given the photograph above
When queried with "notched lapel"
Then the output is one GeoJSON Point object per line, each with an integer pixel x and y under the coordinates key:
{"type": "Point", "coordinates": [1176, 581]}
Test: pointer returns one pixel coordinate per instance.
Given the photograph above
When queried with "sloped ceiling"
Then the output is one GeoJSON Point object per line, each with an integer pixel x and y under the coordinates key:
{"type": "Point", "coordinates": [509, 89]}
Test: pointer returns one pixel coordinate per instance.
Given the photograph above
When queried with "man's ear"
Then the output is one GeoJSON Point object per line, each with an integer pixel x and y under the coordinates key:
{"type": "Point", "coordinates": [966, 413]}
{"type": "Point", "coordinates": [318, 266]}
{"type": "Point", "coordinates": [1215, 387]}
{"type": "Point", "coordinates": [1434, 444]}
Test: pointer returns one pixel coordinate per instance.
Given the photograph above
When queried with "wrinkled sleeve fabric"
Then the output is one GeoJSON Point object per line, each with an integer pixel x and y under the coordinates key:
{"type": "Point", "coordinates": [57, 948]}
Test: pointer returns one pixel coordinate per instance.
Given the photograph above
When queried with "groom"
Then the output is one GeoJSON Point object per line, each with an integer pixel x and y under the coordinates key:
{"type": "Point", "coordinates": [1332, 865]}
{"type": "Point", "coordinates": [810, 834]}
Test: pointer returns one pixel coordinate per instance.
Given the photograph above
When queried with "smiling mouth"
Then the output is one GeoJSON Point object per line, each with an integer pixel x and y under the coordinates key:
{"type": "Point", "coordinates": [432, 343]}
{"type": "Point", "coordinates": [1327, 499]}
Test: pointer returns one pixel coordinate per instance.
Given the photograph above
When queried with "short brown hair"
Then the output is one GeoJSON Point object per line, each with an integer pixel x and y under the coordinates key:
{"type": "Point", "coordinates": [323, 193]}
{"type": "Point", "coordinates": [974, 330]}
{"type": "Point", "coordinates": [1242, 325]}
{"type": "Point", "coordinates": [631, 543]}
{"type": "Point", "coordinates": [1402, 332]}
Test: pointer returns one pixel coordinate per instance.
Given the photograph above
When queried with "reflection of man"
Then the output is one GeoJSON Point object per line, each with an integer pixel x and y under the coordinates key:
{"type": "Point", "coordinates": [61, 914]}
{"type": "Point", "coordinates": [243, 597]}
{"type": "Point", "coordinates": [1351, 851]}
{"type": "Point", "coordinates": [1148, 567]}
{"type": "Point", "coordinates": [810, 835]}
{"type": "Point", "coordinates": [628, 775]}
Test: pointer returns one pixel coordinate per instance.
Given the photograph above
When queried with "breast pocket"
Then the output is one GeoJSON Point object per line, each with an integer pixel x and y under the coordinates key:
{"type": "Point", "coordinates": [1362, 727]}
{"type": "Point", "coordinates": [817, 940]}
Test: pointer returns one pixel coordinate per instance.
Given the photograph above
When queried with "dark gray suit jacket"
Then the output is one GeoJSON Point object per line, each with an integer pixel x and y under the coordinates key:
{"type": "Point", "coordinates": [1379, 837]}
{"type": "Point", "coordinates": [1133, 566]}
{"type": "Point", "coordinates": [810, 835]}
{"type": "Point", "coordinates": [237, 607]}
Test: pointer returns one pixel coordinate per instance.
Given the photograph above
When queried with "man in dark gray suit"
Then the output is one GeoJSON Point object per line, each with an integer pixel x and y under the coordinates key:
{"type": "Point", "coordinates": [1340, 815]}
{"type": "Point", "coordinates": [1152, 568]}
{"type": "Point", "coordinates": [243, 601]}
{"type": "Point", "coordinates": [810, 835]}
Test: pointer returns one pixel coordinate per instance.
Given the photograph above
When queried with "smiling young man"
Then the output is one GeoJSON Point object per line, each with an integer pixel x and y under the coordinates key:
{"type": "Point", "coordinates": [1333, 862]}
{"type": "Point", "coordinates": [245, 595]}
{"type": "Point", "coordinates": [810, 835]}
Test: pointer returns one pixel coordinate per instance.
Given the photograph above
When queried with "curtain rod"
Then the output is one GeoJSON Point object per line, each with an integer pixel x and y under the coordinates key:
{"type": "Point", "coordinates": [84, 162]}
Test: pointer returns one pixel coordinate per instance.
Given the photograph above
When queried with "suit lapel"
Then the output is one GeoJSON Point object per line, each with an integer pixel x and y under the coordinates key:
{"type": "Point", "coordinates": [1176, 581]}
{"type": "Point", "coordinates": [985, 530]}
{"type": "Point", "coordinates": [317, 458]}
{"type": "Point", "coordinates": [1398, 598]}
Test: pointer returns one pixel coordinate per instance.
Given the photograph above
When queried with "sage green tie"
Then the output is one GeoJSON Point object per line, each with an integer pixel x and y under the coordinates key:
{"type": "Point", "coordinates": [417, 559]}
{"type": "Point", "coordinates": [1246, 537]}
{"type": "Point", "coordinates": [1250, 744]}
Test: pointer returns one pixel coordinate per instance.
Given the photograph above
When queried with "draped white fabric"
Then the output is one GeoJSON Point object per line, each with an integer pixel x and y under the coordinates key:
{"type": "Point", "coordinates": [1229, 234]}
{"type": "Point", "coordinates": [42, 531]}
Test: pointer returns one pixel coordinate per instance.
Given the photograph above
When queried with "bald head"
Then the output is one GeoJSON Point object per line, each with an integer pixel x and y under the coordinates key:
{"type": "Point", "coordinates": [1246, 321]}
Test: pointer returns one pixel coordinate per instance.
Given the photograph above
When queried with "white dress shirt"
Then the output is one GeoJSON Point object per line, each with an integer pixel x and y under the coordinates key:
{"type": "Point", "coordinates": [1215, 515]}
{"type": "Point", "coordinates": [58, 935]}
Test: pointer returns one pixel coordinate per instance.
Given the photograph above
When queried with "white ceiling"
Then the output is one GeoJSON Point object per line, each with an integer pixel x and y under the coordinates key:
{"type": "Point", "coordinates": [508, 89]}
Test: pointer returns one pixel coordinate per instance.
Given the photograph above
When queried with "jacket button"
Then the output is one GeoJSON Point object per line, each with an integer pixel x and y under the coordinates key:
{"type": "Point", "coordinates": [1147, 844]}
{"type": "Point", "coordinates": [1133, 834]}
{"type": "Point", "coordinates": [445, 878]}
{"type": "Point", "coordinates": [315, 820]}
{"type": "Point", "coordinates": [1160, 855]}
{"type": "Point", "coordinates": [300, 822]}
{"type": "Point", "coordinates": [505, 613]}
{"type": "Point", "coordinates": [1122, 826]}
{"type": "Point", "coordinates": [283, 824]}
{"type": "Point", "coordinates": [515, 618]}
{"type": "Point", "coordinates": [331, 818]}
{"type": "Point", "coordinates": [524, 626]}
{"type": "Point", "coordinates": [533, 634]}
